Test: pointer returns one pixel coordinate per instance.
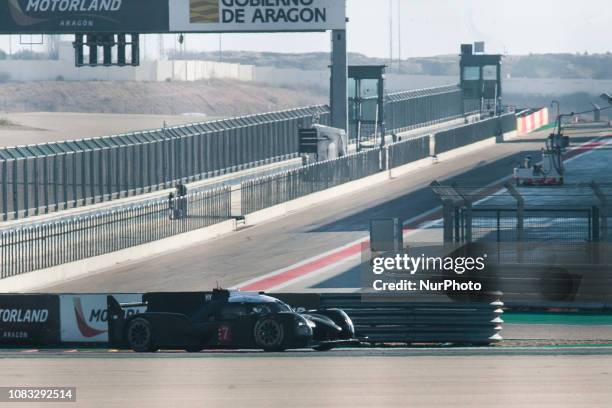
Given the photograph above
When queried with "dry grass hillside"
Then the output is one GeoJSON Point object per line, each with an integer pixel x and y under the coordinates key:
{"type": "Point", "coordinates": [213, 98]}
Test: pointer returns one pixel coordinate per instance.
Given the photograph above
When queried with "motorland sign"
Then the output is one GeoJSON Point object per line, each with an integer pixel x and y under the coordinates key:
{"type": "Point", "coordinates": [84, 318]}
{"type": "Point", "coordinates": [82, 16]}
{"type": "Point", "coordinates": [162, 16]}
{"type": "Point", "coordinates": [257, 15]}
{"type": "Point", "coordinates": [29, 319]}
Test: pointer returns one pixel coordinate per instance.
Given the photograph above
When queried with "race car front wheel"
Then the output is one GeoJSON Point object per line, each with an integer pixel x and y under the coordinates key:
{"type": "Point", "coordinates": [139, 336]}
{"type": "Point", "coordinates": [269, 334]}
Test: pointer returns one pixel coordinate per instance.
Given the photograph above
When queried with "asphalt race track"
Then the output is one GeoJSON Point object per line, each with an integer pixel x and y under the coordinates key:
{"type": "Point", "coordinates": [543, 377]}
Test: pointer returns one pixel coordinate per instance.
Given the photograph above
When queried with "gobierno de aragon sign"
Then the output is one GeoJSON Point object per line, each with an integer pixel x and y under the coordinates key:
{"type": "Point", "coordinates": [175, 16]}
{"type": "Point", "coordinates": [256, 15]}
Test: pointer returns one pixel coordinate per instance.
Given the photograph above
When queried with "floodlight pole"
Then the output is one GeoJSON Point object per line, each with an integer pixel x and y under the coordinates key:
{"type": "Point", "coordinates": [339, 78]}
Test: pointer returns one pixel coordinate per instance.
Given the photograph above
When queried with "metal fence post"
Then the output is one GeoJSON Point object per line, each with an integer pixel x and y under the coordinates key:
{"type": "Point", "coordinates": [520, 210]}
{"type": "Point", "coordinates": [74, 180]}
{"type": "Point", "coordinates": [4, 190]}
{"type": "Point", "coordinates": [466, 216]}
{"type": "Point", "coordinates": [26, 189]}
{"type": "Point", "coordinates": [15, 189]}
{"type": "Point", "coordinates": [603, 211]}
{"type": "Point", "coordinates": [65, 179]}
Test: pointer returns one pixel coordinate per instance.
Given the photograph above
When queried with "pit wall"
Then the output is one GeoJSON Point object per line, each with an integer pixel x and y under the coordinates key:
{"type": "Point", "coordinates": [528, 123]}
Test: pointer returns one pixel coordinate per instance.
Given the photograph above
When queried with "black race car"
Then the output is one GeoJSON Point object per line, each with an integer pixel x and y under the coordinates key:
{"type": "Point", "coordinates": [224, 320]}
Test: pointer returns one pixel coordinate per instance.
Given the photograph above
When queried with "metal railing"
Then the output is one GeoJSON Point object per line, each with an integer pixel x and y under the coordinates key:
{"type": "Point", "coordinates": [46, 244]}
{"type": "Point", "coordinates": [271, 190]}
{"type": "Point", "coordinates": [410, 109]}
{"type": "Point", "coordinates": [52, 176]}
{"type": "Point", "coordinates": [48, 177]}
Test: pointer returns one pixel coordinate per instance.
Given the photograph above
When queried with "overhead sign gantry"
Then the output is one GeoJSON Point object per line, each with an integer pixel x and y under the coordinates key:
{"type": "Point", "coordinates": [114, 25]}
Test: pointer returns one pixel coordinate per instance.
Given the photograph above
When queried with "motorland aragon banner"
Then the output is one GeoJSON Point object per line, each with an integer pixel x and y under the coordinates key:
{"type": "Point", "coordinates": [29, 319]}
{"type": "Point", "coordinates": [256, 15]}
{"type": "Point", "coordinates": [84, 318]}
{"type": "Point", "coordinates": [70, 16]}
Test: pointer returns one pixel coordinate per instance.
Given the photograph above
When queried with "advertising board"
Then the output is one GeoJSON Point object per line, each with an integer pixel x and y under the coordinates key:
{"type": "Point", "coordinates": [70, 16]}
{"type": "Point", "coordinates": [29, 319]}
{"type": "Point", "coordinates": [257, 15]}
{"type": "Point", "coordinates": [84, 318]}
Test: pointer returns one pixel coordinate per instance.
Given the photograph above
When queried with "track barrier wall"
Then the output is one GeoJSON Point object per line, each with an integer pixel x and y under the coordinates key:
{"type": "Point", "coordinates": [68, 319]}
{"type": "Point", "coordinates": [473, 133]}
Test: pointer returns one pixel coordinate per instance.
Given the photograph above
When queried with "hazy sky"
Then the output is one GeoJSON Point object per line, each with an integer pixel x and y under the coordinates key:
{"type": "Point", "coordinates": [433, 27]}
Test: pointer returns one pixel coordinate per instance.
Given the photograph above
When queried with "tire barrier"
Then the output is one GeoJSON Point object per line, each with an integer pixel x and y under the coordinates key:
{"type": "Point", "coordinates": [80, 319]}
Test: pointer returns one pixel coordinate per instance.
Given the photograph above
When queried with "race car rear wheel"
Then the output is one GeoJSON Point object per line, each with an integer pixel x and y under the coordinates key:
{"type": "Point", "coordinates": [139, 335]}
{"type": "Point", "coordinates": [269, 334]}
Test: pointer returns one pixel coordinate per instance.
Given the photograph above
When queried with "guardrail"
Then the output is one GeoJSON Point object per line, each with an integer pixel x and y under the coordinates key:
{"type": "Point", "coordinates": [439, 322]}
{"type": "Point", "coordinates": [47, 244]}
{"type": "Point", "coordinates": [385, 321]}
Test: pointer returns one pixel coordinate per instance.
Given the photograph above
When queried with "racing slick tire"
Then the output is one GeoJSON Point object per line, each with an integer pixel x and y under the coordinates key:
{"type": "Point", "coordinates": [269, 334]}
{"type": "Point", "coordinates": [139, 336]}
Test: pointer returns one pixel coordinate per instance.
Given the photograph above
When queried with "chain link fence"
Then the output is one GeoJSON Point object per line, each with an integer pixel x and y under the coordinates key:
{"type": "Point", "coordinates": [47, 244]}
